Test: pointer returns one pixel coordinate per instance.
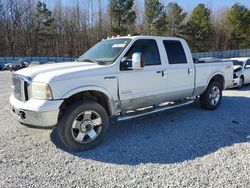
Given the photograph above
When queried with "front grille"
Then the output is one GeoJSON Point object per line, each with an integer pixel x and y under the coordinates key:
{"type": "Point", "coordinates": [20, 88]}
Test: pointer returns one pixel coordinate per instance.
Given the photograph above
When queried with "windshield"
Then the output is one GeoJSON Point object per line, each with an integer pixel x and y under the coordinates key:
{"type": "Point", "coordinates": [17, 62]}
{"type": "Point", "coordinates": [105, 52]}
{"type": "Point", "coordinates": [235, 62]}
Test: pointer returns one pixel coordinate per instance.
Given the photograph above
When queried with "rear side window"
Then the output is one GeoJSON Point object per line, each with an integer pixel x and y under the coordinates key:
{"type": "Point", "coordinates": [175, 52]}
{"type": "Point", "coordinates": [149, 50]}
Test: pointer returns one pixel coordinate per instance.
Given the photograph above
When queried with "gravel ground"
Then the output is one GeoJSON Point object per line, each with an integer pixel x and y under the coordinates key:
{"type": "Point", "coordinates": [185, 147]}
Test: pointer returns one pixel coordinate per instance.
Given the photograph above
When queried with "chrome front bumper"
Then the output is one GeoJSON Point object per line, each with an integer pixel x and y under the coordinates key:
{"type": "Point", "coordinates": [35, 113]}
{"type": "Point", "coordinates": [39, 119]}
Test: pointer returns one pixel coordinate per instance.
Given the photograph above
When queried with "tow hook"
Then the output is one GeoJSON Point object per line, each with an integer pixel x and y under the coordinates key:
{"type": "Point", "coordinates": [21, 114]}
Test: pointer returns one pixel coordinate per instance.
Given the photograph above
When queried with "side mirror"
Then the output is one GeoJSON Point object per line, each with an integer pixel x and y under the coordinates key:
{"type": "Point", "coordinates": [137, 61]}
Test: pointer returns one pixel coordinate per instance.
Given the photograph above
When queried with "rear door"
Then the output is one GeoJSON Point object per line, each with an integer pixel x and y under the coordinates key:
{"type": "Point", "coordinates": [141, 88]}
{"type": "Point", "coordinates": [180, 70]}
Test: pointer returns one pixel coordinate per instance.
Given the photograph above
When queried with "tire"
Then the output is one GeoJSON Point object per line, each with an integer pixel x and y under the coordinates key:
{"type": "Point", "coordinates": [211, 98]}
{"type": "Point", "coordinates": [83, 125]}
{"type": "Point", "coordinates": [241, 82]}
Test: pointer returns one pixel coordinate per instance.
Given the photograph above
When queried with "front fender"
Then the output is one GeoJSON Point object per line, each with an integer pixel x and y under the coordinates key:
{"type": "Point", "coordinates": [112, 102]}
{"type": "Point", "coordinates": [86, 88]}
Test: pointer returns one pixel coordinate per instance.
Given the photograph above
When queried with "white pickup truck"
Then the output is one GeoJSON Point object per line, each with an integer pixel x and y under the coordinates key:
{"type": "Point", "coordinates": [119, 78]}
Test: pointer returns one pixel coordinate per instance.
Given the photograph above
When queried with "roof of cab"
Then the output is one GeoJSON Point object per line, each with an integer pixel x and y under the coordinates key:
{"type": "Point", "coordinates": [145, 37]}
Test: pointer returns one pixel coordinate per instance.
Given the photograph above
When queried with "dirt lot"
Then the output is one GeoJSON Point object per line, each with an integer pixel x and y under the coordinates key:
{"type": "Point", "coordinates": [186, 147]}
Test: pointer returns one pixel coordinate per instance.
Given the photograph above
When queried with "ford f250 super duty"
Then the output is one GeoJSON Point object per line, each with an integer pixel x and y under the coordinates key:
{"type": "Point", "coordinates": [118, 78]}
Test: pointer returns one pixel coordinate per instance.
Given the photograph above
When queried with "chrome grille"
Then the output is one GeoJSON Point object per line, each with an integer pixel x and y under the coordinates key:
{"type": "Point", "coordinates": [20, 87]}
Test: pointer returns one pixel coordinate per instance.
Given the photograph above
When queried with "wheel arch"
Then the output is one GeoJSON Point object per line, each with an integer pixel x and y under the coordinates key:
{"type": "Point", "coordinates": [242, 75]}
{"type": "Point", "coordinates": [219, 77]}
{"type": "Point", "coordinates": [97, 94]}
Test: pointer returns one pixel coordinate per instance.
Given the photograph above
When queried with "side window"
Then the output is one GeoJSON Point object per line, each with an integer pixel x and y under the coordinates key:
{"type": "Point", "coordinates": [149, 50]}
{"type": "Point", "coordinates": [247, 66]}
{"type": "Point", "coordinates": [175, 52]}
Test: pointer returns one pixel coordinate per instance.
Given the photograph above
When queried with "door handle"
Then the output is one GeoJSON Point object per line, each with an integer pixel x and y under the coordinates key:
{"type": "Point", "coordinates": [189, 71]}
{"type": "Point", "coordinates": [162, 72]}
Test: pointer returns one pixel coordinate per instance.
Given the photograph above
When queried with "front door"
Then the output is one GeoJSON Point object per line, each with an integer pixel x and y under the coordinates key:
{"type": "Point", "coordinates": [142, 88]}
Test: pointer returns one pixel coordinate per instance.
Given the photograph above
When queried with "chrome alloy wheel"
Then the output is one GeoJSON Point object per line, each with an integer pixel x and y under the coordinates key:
{"type": "Point", "coordinates": [214, 96]}
{"type": "Point", "coordinates": [86, 126]}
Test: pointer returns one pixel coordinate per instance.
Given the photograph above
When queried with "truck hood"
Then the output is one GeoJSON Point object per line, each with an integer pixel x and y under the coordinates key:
{"type": "Point", "coordinates": [48, 72]}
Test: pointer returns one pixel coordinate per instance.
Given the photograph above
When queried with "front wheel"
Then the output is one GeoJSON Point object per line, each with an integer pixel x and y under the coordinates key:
{"type": "Point", "coordinates": [211, 98]}
{"type": "Point", "coordinates": [83, 125]}
{"type": "Point", "coordinates": [241, 82]}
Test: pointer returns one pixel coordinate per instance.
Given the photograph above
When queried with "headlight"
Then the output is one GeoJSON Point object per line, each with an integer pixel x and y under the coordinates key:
{"type": "Point", "coordinates": [40, 91]}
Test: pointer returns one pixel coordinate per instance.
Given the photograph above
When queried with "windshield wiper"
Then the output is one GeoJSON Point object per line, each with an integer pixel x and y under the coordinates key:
{"type": "Point", "coordinates": [88, 60]}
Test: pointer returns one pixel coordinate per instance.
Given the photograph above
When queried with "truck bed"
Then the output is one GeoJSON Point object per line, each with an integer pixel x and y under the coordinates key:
{"type": "Point", "coordinates": [206, 70]}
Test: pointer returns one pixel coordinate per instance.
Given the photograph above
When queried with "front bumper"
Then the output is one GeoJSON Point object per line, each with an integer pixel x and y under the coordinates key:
{"type": "Point", "coordinates": [34, 112]}
{"type": "Point", "coordinates": [235, 83]}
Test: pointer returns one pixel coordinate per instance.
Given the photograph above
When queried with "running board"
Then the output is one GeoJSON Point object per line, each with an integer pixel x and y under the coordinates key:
{"type": "Point", "coordinates": [133, 115]}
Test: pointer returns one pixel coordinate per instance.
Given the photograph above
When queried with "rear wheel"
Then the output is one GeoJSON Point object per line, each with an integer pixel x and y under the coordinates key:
{"type": "Point", "coordinates": [83, 125]}
{"type": "Point", "coordinates": [211, 98]}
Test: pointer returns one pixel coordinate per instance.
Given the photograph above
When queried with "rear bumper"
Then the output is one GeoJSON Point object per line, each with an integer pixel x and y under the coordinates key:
{"type": "Point", "coordinates": [37, 113]}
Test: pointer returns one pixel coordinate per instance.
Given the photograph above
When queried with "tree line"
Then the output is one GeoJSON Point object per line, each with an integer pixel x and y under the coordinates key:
{"type": "Point", "coordinates": [32, 28]}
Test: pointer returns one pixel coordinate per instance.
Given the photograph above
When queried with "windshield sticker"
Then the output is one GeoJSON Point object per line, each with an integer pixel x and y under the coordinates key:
{"type": "Point", "coordinates": [118, 45]}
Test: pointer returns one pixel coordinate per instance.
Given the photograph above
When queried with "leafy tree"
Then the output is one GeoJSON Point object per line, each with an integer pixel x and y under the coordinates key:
{"type": "Point", "coordinates": [239, 23]}
{"type": "Point", "coordinates": [122, 16]}
{"type": "Point", "coordinates": [2, 42]}
{"type": "Point", "coordinates": [1, 15]}
{"type": "Point", "coordinates": [27, 26]}
{"type": "Point", "coordinates": [221, 39]}
{"type": "Point", "coordinates": [155, 17]}
{"type": "Point", "coordinates": [175, 17]}
{"type": "Point", "coordinates": [198, 29]}
{"type": "Point", "coordinates": [45, 27]}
